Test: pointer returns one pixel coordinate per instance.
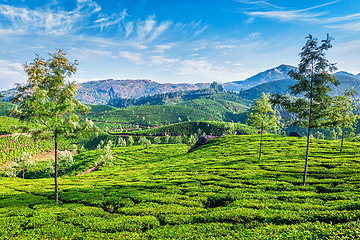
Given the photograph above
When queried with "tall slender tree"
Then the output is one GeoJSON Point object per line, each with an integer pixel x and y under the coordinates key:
{"type": "Point", "coordinates": [341, 113]}
{"type": "Point", "coordinates": [263, 117]}
{"type": "Point", "coordinates": [314, 80]}
{"type": "Point", "coordinates": [47, 101]}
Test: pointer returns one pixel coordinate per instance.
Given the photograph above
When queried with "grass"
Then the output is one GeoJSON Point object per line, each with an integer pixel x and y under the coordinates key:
{"type": "Point", "coordinates": [146, 117]}
{"type": "Point", "coordinates": [219, 191]}
{"type": "Point", "coordinates": [4, 106]}
{"type": "Point", "coordinates": [189, 128]}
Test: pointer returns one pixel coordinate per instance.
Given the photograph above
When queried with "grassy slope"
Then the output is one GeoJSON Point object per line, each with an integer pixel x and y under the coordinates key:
{"type": "Point", "coordinates": [101, 108]}
{"type": "Point", "coordinates": [7, 124]}
{"type": "Point", "coordinates": [5, 106]}
{"type": "Point", "coordinates": [219, 191]}
{"type": "Point", "coordinates": [145, 116]}
{"type": "Point", "coordinates": [189, 128]}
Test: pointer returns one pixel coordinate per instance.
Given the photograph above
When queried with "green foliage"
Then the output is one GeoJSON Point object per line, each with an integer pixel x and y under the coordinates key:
{"type": "Point", "coordinates": [146, 116]}
{"type": "Point", "coordinates": [218, 191]}
{"type": "Point", "coordinates": [5, 107]}
{"type": "Point", "coordinates": [48, 102]}
{"type": "Point", "coordinates": [121, 142]}
{"type": "Point", "coordinates": [192, 140]}
{"type": "Point", "coordinates": [10, 171]}
{"type": "Point", "coordinates": [198, 127]}
{"type": "Point", "coordinates": [313, 82]}
{"type": "Point", "coordinates": [100, 108]}
{"type": "Point", "coordinates": [341, 114]}
{"type": "Point", "coordinates": [106, 158]}
{"type": "Point", "coordinates": [130, 141]}
{"type": "Point", "coordinates": [157, 140]}
{"type": "Point", "coordinates": [65, 161]}
{"type": "Point", "coordinates": [49, 167]}
{"type": "Point", "coordinates": [319, 135]}
{"type": "Point", "coordinates": [23, 162]}
{"type": "Point", "coordinates": [263, 117]}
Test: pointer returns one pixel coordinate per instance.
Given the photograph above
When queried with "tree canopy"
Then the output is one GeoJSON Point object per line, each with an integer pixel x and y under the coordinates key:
{"type": "Point", "coordinates": [47, 101]}
{"type": "Point", "coordinates": [263, 116]}
{"type": "Point", "coordinates": [313, 81]}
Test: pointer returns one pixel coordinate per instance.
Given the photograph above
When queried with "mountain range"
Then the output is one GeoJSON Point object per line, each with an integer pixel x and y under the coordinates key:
{"type": "Point", "coordinates": [100, 92]}
{"type": "Point", "coordinates": [273, 74]}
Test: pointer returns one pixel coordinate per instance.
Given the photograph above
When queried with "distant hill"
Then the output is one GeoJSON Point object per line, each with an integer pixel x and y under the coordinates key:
{"type": "Point", "coordinates": [343, 73]}
{"type": "Point", "coordinates": [273, 74]}
{"type": "Point", "coordinates": [282, 87]}
{"type": "Point", "coordinates": [100, 92]}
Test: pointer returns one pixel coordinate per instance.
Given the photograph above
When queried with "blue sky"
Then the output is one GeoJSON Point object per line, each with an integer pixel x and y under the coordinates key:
{"type": "Point", "coordinates": [174, 41]}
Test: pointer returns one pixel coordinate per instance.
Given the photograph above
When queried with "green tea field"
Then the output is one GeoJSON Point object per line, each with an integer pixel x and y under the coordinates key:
{"type": "Point", "coordinates": [219, 191]}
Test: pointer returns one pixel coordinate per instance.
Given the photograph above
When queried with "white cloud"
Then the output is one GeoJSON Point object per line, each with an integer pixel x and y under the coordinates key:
{"type": "Point", "coordinates": [284, 16]}
{"type": "Point", "coordinates": [161, 48]}
{"type": "Point", "coordinates": [110, 20]}
{"type": "Point", "coordinates": [347, 26]}
{"type": "Point", "coordinates": [86, 53]}
{"type": "Point", "coordinates": [198, 32]}
{"type": "Point", "coordinates": [11, 73]}
{"type": "Point", "coordinates": [257, 3]}
{"type": "Point", "coordinates": [197, 49]}
{"type": "Point", "coordinates": [163, 26]}
{"type": "Point", "coordinates": [252, 36]}
{"type": "Point", "coordinates": [134, 57]}
{"type": "Point", "coordinates": [205, 69]}
{"type": "Point", "coordinates": [139, 46]}
{"type": "Point", "coordinates": [145, 27]}
{"type": "Point", "coordinates": [224, 46]}
{"type": "Point", "coordinates": [160, 60]}
{"type": "Point", "coordinates": [129, 28]}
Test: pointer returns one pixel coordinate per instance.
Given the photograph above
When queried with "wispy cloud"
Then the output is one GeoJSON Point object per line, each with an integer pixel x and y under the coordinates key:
{"type": "Point", "coordinates": [129, 28]}
{"type": "Point", "coordinates": [162, 48]}
{"type": "Point", "coordinates": [198, 32]}
{"type": "Point", "coordinates": [262, 4]}
{"type": "Point", "coordinates": [206, 69]}
{"type": "Point", "coordinates": [145, 27]}
{"type": "Point", "coordinates": [285, 15]}
{"type": "Point", "coordinates": [347, 26]}
{"type": "Point", "coordinates": [114, 19]}
{"type": "Point", "coordinates": [158, 30]}
{"type": "Point", "coordinates": [11, 73]}
{"type": "Point", "coordinates": [134, 57]}
{"type": "Point", "coordinates": [160, 60]}
{"type": "Point", "coordinates": [86, 53]}
{"type": "Point", "coordinates": [139, 45]}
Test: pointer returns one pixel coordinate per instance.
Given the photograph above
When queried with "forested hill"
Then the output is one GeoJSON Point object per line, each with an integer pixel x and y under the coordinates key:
{"type": "Point", "coordinates": [273, 74]}
{"type": "Point", "coordinates": [282, 87]}
{"type": "Point", "coordinates": [97, 92]}
{"type": "Point", "coordinates": [100, 92]}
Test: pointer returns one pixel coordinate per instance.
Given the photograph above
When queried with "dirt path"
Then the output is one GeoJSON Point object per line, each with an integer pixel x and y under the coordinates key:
{"type": "Point", "coordinates": [93, 169]}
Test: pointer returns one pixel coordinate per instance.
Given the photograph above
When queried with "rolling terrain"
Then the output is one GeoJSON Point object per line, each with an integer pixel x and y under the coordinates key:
{"type": "Point", "coordinates": [218, 191]}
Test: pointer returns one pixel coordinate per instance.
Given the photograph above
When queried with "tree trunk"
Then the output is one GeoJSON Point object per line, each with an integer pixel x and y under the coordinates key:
{"type": "Point", "coordinates": [307, 156]}
{"type": "Point", "coordinates": [56, 171]}
{"type": "Point", "coordinates": [342, 139]}
{"type": "Point", "coordinates": [307, 143]}
{"type": "Point", "coordinates": [261, 133]}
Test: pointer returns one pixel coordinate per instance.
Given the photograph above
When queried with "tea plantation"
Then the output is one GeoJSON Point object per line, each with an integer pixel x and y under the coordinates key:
{"type": "Point", "coordinates": [219, 191]}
